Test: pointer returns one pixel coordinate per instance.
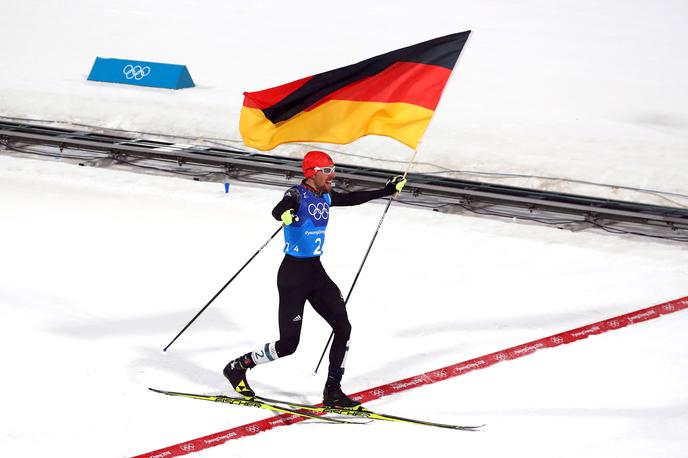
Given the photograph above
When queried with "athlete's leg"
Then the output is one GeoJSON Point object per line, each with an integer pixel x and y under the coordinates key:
{"type": "Point", "coordinates": [294, 285]}
{"type": "Point", "coordinates": [327, 300]}
{"type": "Point", "coordinates": [293, 289]}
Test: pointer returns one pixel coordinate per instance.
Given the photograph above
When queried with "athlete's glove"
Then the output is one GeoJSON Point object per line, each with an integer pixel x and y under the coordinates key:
{"type": "Point", "coordinates": [395, 184]}
{"type": "Point", "coordinates": [289, 217]}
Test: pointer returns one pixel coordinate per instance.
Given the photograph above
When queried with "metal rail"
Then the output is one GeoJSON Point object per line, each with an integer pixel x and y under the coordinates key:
{"type": "Point", "coordinates": [442, 194]}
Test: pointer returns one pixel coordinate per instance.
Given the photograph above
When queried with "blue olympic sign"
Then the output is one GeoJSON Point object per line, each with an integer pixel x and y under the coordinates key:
{"type": "Point", "coordinates": [140, 73]}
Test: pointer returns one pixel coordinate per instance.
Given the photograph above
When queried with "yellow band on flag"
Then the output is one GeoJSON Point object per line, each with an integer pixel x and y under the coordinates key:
{"type": "Point", "coordinates": [401, 121]}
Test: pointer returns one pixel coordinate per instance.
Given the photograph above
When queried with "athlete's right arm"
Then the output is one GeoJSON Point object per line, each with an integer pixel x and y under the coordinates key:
{"type": "Point", "coordinates": [290, 201]}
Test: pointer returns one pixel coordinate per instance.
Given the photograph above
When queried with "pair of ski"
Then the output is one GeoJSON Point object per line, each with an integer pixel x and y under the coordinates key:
{"type": "Point", "coordinates": [316, 412]}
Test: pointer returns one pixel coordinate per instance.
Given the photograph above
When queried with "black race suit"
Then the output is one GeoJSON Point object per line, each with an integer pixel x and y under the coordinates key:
{"type": "Point", "coordinates": [304, 279]}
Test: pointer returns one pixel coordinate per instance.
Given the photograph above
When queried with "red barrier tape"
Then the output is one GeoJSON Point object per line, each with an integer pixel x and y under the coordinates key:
{"type": "Point", "coordinates": [427, 378]}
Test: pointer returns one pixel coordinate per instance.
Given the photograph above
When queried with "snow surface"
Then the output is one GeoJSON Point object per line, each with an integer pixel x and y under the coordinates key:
{"type": "Point", "coordinates": [582, 90]}
{"type": "Point", "coordinates": [101, 268]}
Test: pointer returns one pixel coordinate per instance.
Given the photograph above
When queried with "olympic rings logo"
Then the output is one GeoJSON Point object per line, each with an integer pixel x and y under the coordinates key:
{"type": "Point", "coordinates": [136, 72]}
{"type": "Point", "coordinates": [319, 211]}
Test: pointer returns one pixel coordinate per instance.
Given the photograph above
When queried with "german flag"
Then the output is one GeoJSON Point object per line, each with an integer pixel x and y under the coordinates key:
{"type": "Point", "coordinates": [393, 94]}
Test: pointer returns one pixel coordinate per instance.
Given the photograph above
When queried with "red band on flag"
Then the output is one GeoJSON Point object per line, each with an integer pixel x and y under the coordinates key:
{"type": "Point", "coordinates": [269, 97]}
{"type": "Point", "coordinates": [417, 84]}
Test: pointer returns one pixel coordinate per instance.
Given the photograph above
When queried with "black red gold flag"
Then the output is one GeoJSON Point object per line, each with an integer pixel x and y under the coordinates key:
{"type": "Point", "coordinates": [394, 94]}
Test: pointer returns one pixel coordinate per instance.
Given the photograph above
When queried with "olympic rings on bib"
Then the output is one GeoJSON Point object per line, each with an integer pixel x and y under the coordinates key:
{"type": "Point", "coordinates": [319, 211]}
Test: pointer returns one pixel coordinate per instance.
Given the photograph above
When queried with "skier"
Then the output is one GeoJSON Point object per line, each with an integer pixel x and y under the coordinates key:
{"type": "Point", "coordinates": [304, 211]}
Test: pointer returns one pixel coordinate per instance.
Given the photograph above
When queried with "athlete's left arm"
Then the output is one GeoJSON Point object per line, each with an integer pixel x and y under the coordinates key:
{"type": "Point", "coordinates": [347, 199]}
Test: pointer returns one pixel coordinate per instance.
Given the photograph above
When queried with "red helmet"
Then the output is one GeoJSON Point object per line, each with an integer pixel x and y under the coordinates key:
{"type": "Point", "coordinates": [315, 159]}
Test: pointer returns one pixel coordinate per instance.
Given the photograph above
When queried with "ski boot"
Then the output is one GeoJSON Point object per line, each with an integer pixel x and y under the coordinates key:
{"type": "Point", "coordinates": [235, 372]}
{"type": "Point", "coordinates": [333, 396]}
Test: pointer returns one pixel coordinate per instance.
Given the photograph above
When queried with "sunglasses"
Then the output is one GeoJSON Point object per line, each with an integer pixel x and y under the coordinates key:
{"type": "Point", "coordinates": [325, 170]}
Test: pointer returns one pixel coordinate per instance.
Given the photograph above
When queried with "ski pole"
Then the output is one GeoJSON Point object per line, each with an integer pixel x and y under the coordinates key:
{"type": "Point", "coordinates": [223, 288]}
{"type": "Point", "coordinates": [389, 203]}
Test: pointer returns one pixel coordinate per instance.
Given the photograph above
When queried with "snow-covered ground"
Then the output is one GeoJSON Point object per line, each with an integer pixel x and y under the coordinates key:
{"type": "Point", "coordinates": [583, 90]}
{"type": "Point", "coordinates": [99, 269]}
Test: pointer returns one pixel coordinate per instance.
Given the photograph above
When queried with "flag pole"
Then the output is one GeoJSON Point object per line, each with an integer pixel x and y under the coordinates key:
{"type": "Point", "coordinates": [370, 246]}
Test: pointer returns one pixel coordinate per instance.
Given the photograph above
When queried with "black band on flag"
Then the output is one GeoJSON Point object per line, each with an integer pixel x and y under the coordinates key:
{"type": "Point", "coordinates": [442, 52]}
